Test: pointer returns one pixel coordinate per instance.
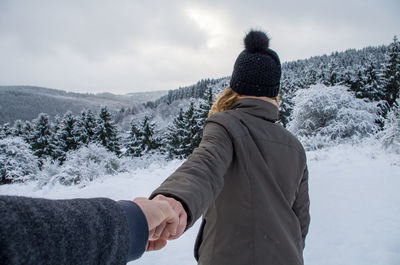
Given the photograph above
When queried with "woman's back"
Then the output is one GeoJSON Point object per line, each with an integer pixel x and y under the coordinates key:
{"type": "Point", "coordinates": [252, 221]}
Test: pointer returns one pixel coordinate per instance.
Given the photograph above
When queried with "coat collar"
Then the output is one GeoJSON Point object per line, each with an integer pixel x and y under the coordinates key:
{"type": "Point", "coordinates": [257, 107]}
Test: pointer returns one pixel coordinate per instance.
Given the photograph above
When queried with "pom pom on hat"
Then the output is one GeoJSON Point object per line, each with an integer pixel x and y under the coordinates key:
{"type": "Point", "coordinates": [256, 41]}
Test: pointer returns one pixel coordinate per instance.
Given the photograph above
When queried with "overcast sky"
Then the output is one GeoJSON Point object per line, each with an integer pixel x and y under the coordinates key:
{"type": "Point", "coordinates": [124, 46]}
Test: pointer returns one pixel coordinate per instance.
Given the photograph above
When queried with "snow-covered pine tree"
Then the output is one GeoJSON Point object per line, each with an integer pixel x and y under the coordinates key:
{"type": "Point", "coordinates": [27, 131]}
{"type": "Point", "coordinates": [40, 138]}
{"type": "Point", "coordinates": [333, 72]}
{"type": "Point", "coordinates": [57, 124]}
{"type": "Point", "coordinates": [190, 140]}
{"type": "Point", "coordinates": [87, 124]}
{"type": "Point", "coordinates": [67, 137]}
{"type": "Point", "coordinates": [147, 135]}
{"type": "Point", "coordinates": [370, 85]}
{"type": "Point", "coordinates": [107, 132]}
{"type": "Point", "coordinates": [356, 80]}
{"type": "Point", "coordinates": [5, 130]}
{"type": "Point", "coordinates": [133, 146]}
{"type": "Point", "coordinates": [311, 76]}
{"type": "Point", "coordinates": [201, 113]}
{"type": "Point", "coordinates": [287, 93]}
{"type": "Point", "coordinates": [17, 162]}
{"type": "Point", "coordinates": [188, 129]}
{"type": "Point", "coordinates": [174, 138]}
{"type": "Point", "coordinates": [18, 129]}
{"type": "Point", "coordinates": [54, 142]}
{"type": "Point", "coordinates": [206, 103]}
{"type": "Point", "coordinates": [391, 73]}
{"type": "Point", "coordinates": [390, 135]}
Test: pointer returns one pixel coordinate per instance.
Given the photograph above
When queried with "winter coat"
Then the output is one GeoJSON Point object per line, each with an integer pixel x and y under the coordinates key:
{"type": "Point", "coordinates": [249, 180]}
{"type": "Point", "coordinates": [78, 231]}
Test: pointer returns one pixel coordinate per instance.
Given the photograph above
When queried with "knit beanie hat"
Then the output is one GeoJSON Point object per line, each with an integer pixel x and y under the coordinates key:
{"type": "Point", "coordinates": [257, 70]}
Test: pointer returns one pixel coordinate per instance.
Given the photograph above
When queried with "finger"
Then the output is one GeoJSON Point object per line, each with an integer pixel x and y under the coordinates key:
{"type": "Point", "coordinates": [159, 197]}
{"type": "Point", "coordinates": [171, 218]}
{"type": "Point", "coordinates": [181, 226]}
{"type": "Point", "coordinates": [165, 234]}
{"type": "Point", "coordinates": [156, 244]}
{"type": "Point", "coordinates": [182, 218]}
{"type": "Point", "coordinates": [151, 233]}
{"type": "Point", "coordinates": [175, 229]}
{"type": "Point", "coordinates": [159, 230]}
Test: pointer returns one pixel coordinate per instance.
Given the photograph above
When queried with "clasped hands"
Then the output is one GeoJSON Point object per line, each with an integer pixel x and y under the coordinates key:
{"type": "Point", "coordinates": [166, 219]}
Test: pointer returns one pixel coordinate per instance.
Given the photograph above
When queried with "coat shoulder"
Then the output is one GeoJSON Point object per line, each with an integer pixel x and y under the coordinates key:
{"type": "Point", "coordinates": [230, 122]}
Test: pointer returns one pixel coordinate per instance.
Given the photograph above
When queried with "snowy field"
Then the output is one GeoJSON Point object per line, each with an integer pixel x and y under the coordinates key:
{"type": "Point", "coordinates": [355, 206]}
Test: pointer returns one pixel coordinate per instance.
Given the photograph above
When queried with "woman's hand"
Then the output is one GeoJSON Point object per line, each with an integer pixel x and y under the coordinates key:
{"type": "Point", "coordinates": [162, 219]}
{"type": "Point", "coordinates": [178, 208]}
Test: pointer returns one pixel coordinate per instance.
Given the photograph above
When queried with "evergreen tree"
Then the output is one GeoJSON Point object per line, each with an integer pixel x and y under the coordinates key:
{"type": "Point", "coordinates": [27, 129]}
{"type": "Point", "coordinates": [206, 103]}
{"type": "Point", "coordinates": [17, 163]}
{"type": "Point", "coordinates": [147, 135]}
{"type": "Point", "coordinates": [57, 124]}
{"type": "Point", "coordinates": [174, 139]}
{"type": "Point", "coordinates": [87, 126]}
{"type": "Point", "coordinates": [391, 73]}
{"type": "Point", "coordinates": [184, 134]}
{"type": "Point", "coordinates": [357, 81]}
{"type": "Point", "coordinates": [201, 114]}
{"type": "Point", "coordinates": [40, 138]}
{"type": "Point", "coordinates": [133, 147]}
{"type": "Point", "coordinates": [5, 130]}
{"type": "Point", "coordinates": [390, 134]}
{"type": "Point", "coordinates": [333, 72]}
{"type": "Point", "coordinates": [54, 141]}
{"type": "Point", "coordinates": [191, 140]}
{"type": "Point", "coordinates": [106, 132]}
{"type": "Point", "coordinates": [371, 87]}
{"type": "Point", "coordinates": [67, 137]}
{"type": "Point", "coordinates": [18, 129]}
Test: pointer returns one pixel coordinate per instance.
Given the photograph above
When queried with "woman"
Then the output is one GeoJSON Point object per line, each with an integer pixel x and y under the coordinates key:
{"type": "Point", "coordinates": [248, 178]}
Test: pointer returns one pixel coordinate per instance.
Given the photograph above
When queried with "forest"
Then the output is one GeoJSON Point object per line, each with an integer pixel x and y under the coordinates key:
{"type": "Point", "coordinates": [325, 100]}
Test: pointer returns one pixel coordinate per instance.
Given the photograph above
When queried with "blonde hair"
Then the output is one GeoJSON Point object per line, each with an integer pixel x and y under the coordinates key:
{"type": "Point", "coordinates": [224, 101]}
{"type": "Point", "coordinates": [227, 97]}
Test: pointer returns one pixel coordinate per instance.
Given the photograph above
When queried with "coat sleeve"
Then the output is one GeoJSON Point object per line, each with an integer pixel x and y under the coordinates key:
{"type": "Point", "coordinates": [301, 205]}
{"type": "Point", "coordinates": [78, 231]}
{"type": "Point", "coordinates": [199, 180]}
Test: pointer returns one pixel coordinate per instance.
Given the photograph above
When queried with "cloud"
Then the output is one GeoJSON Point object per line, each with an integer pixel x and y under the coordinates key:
{"type": "Point", "coordinates": [124, 46]}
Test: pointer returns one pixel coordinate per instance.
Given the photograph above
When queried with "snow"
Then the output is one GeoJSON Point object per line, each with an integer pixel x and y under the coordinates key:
{"type": "Point", "coordinates": [355, 205]}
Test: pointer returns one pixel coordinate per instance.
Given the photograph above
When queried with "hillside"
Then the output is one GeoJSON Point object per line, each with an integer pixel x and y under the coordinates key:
{"type": "Point", "coordinates": [26, 102]}
{"type": "Point", "coordinates": [359, 70]}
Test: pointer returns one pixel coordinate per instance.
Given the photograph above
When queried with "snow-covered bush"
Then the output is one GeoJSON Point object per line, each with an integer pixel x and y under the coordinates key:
{"type": "Point", "coordinates": [82, 166]}
{"type": "Point", "coordinates": [390, 135]}
{"type": "Point", "coordinates": [324, 116]}
{"type": "Point", "coordinates": [17, 162]}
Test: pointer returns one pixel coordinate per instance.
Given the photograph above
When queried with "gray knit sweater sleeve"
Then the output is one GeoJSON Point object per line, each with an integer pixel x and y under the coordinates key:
{"type": "Point", "coordinates": [78, 231]}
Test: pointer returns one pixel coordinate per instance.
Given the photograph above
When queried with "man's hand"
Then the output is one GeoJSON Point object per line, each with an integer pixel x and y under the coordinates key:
{"type": "Point", "coordinates": [178, 208]}
{"type": "Point", "coordinates": [161, 218]}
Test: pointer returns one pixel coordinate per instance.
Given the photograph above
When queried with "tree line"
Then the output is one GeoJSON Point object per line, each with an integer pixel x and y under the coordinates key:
{"type": "Point", "coordinates": [53, 139]}
{"type": "Point", "coordinates": [371, 75]}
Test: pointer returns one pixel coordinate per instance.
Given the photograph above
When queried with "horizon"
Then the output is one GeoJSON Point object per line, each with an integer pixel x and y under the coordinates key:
{"type": "Point", "coordinates": [127, 46]}
{"type": "Point", "coordinates": [182, 86]}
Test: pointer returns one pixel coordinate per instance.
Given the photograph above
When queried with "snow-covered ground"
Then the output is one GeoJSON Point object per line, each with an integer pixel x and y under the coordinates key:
{"type": "Point", "coordinates": [355, 206]}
